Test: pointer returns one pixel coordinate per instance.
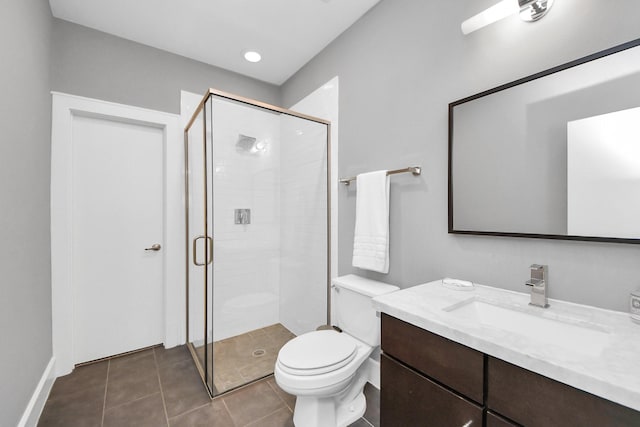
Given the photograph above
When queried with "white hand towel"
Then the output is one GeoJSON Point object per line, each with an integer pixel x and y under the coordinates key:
{"type": "Point", "coordinates": [371, 241]}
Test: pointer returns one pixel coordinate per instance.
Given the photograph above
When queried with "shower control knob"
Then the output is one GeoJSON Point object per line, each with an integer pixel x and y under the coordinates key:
{"type": "Point", "coordinates": [154, 247]}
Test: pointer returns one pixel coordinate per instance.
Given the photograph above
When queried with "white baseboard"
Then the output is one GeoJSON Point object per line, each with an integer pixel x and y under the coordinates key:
{"type": "Point", "coordinates": [34, 409]}
{"type": "Point", "coordinates": [374, 372]}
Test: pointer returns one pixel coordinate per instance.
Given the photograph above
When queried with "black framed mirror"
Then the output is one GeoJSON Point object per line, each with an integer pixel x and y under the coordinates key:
{"type": "Point", "coordinates": [554, 155]}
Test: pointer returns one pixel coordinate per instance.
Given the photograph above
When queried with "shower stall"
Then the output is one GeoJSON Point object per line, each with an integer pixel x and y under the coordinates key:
{"type": "Point", "coordinates": [257, 235]}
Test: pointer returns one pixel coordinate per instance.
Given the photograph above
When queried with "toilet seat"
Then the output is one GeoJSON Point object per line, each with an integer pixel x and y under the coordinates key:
{"type": "Point", "coordinates": [317, 353]}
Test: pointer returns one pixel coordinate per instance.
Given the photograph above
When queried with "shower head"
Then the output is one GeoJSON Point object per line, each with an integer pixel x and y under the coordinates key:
{"type": "Point", "coordinates": [245, 143]}
{"type": "Point", "coordinates": [249, 145]}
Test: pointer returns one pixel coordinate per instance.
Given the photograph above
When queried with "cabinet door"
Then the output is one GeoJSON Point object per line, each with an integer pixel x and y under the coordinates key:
{"type": "Point", "coordinates": [446, 361]}
{"type": "Point", "coordinates": [407, 399]}
{"type": "Point", "coordinates": [537, 401]}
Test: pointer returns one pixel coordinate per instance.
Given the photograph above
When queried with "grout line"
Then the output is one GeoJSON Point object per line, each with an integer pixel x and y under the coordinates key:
{"type": "Point", "coordinates": [366, 421]}
{"type": "Point", "coordinates": [164, 404]}
{"type": "Point", "coordinates": [284, 406]}
{"type": "Point", "coordinates": [127, 402]}
{"type": "Point", "coordinates": [280, 397]}
{"type": "Point", "coordinates": [226, 408]}
{"type": "Point", "coordinates": [242, 386]}
{"type": "Point", "coordinates": [146, 396]}
{"type": "Point", "coordinates": [254, 422]}
{"type": "Point", "coordinates": [106, 387]}
{"type": "Point", "coordinates": [192, 410]}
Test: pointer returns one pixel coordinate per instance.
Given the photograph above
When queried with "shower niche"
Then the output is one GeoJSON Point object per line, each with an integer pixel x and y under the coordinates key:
{"type": "Point", "coordinates": [257, 235]}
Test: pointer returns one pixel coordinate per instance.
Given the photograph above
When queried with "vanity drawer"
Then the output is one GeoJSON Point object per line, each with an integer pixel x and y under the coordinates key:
{"type": "Point", "coordinates": [410, 399]}
{"type": "Point", "coordinates": [448, 362]}
{"type": "Point", "coordinates": [534, 400]}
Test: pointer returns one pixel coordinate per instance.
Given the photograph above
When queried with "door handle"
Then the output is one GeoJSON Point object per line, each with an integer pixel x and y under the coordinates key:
{"type": "Point", "coordinates": [194, 251]}
{"type": "Point", "coordinates": [155, 247]}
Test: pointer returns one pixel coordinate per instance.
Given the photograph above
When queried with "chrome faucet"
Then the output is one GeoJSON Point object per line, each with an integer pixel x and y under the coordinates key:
{"type": "Point", "coordinates": [538, 283]}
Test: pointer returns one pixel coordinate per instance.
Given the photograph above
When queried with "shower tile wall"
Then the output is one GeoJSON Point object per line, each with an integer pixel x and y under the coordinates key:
{"type": "Point", "coordinates": [303, 230]}
{"type": "Point", "coordinates": [274, 269]}
{"type": "Point", "coordinates": [246, 257]}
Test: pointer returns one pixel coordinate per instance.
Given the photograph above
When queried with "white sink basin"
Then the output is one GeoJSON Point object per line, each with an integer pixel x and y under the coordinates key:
{"type": "Point", "coordinates": [571, 335]}
{"type": "Point", "coordinates": [589, 348]}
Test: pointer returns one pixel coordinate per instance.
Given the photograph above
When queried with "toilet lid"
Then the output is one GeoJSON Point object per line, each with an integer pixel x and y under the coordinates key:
{"type": "Point", "coordinates": [317, 352]}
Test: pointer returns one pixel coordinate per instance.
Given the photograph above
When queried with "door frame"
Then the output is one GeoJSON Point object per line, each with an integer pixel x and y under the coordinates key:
{"type": "Point", "coordinates": [64, 108]}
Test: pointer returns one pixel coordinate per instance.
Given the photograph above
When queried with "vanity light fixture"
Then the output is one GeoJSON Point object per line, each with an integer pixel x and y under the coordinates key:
{"type": "Point", "coordinates": [252, 56]}
{"type": "Point", "coordinates": [530, 10]}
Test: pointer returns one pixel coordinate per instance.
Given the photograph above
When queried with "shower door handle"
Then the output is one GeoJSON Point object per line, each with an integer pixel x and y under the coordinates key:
{"type": "Point", "coordinates": [195, 250]}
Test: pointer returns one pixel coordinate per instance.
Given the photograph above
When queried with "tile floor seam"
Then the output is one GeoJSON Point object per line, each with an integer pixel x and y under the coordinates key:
{"type": "Point", "coordinates": [188, 412]}
{"type": "Point", "coordinates": [106, 387]}
{"type": "Point", "coordinates": [367, 421]}
{"type": "Point", "coordinates": [263, 417]}
{"type": "Point", "coordinates": [132, 401]}
{"type": "Point", "coordinates": [226, 408]}
{"type": "Point", "coordinates": [164, 404]}
{"type": "Point", "coordinates": [277, 394]}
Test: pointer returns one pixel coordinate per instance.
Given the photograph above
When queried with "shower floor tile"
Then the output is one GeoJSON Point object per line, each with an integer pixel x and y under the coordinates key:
{"type": "Point", "coordinates": [246, 357]}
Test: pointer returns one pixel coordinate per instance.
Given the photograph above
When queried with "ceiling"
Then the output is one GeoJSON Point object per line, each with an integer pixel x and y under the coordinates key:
{"type": "Point", "coordinates": [287, 33]}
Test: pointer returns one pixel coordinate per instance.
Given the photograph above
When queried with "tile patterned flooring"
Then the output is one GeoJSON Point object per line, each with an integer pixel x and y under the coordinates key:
{"type": "Point", "coordinates": [234, 359]}
{"type": "Point", "coordinates": [159, 387]}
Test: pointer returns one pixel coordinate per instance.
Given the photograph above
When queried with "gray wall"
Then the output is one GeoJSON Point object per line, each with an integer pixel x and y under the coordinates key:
{"type": "Point", "coordinates": [25, 261]}
{"type": "Point", "coordinates": [91, 63]}
{"type": "Point", "coordinates": [399, 67]}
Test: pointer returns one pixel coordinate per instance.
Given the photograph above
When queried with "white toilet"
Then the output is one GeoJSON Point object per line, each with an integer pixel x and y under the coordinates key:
{"type": "Point", "coordinates": [326, 369]}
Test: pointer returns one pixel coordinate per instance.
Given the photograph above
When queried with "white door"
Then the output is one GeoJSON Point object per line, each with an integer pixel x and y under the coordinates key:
{"type": "Point", "coordinates": [117, 213]}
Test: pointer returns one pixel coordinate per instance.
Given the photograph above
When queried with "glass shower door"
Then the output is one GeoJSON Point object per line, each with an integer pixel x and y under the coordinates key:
{"type": "Point", "coordinates": [248, 334]}
{"type": "Point", "coordinates": [269, 181]}
{"type": "Point", "coordinates": [199, 215]}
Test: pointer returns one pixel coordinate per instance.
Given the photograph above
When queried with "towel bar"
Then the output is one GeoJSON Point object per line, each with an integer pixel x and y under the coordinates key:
{"type": "Point", "coordinates": [416, 170]}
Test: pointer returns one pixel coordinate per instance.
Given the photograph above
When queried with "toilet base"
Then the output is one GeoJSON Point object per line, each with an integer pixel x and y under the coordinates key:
{"type": "Point", "coordinates": [328, 412]}
{"type": "Point", "coordinates": [348, 414]}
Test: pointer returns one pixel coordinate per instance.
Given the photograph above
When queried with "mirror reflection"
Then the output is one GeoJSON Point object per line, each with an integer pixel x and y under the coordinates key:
{"type": "Point", "coordinates": [554, 155]}
{"type": "Point", "coordinates": [603, 175]}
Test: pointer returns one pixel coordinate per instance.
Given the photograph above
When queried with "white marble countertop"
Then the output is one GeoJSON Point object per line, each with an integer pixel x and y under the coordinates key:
{"type": "Point", "coordinates": [612, 372]}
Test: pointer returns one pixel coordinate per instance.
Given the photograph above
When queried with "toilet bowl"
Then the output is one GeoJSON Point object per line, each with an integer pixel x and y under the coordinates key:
{"type": "Point", "coordinates": [326, 370]}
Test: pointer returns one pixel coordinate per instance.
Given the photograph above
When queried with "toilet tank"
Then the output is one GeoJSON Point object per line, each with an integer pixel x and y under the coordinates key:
{"type": "Point", "coordinates": [352, 306]}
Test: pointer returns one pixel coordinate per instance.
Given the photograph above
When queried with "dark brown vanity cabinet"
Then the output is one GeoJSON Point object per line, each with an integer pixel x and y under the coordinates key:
{"type": "Point", "coordinates": [535, 400]}
{"type": "Point", "coordinates": [428, 380]}
{"type": "Point", "coordinates": [410, 399]}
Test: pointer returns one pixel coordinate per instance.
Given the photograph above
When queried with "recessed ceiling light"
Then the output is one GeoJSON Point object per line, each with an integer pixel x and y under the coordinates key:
{"type": "Point", "coordinates": [252, 56]}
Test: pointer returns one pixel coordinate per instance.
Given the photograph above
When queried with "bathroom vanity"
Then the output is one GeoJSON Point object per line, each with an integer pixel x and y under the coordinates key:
{"type": "Point", "coordinates": [486, 358]}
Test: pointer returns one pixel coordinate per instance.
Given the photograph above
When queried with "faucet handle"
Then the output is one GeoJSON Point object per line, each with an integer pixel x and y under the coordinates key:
{"type": "Point", "coordinates": [534, 282]}
{"type": "Point", "coordinates": [538, 283]}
